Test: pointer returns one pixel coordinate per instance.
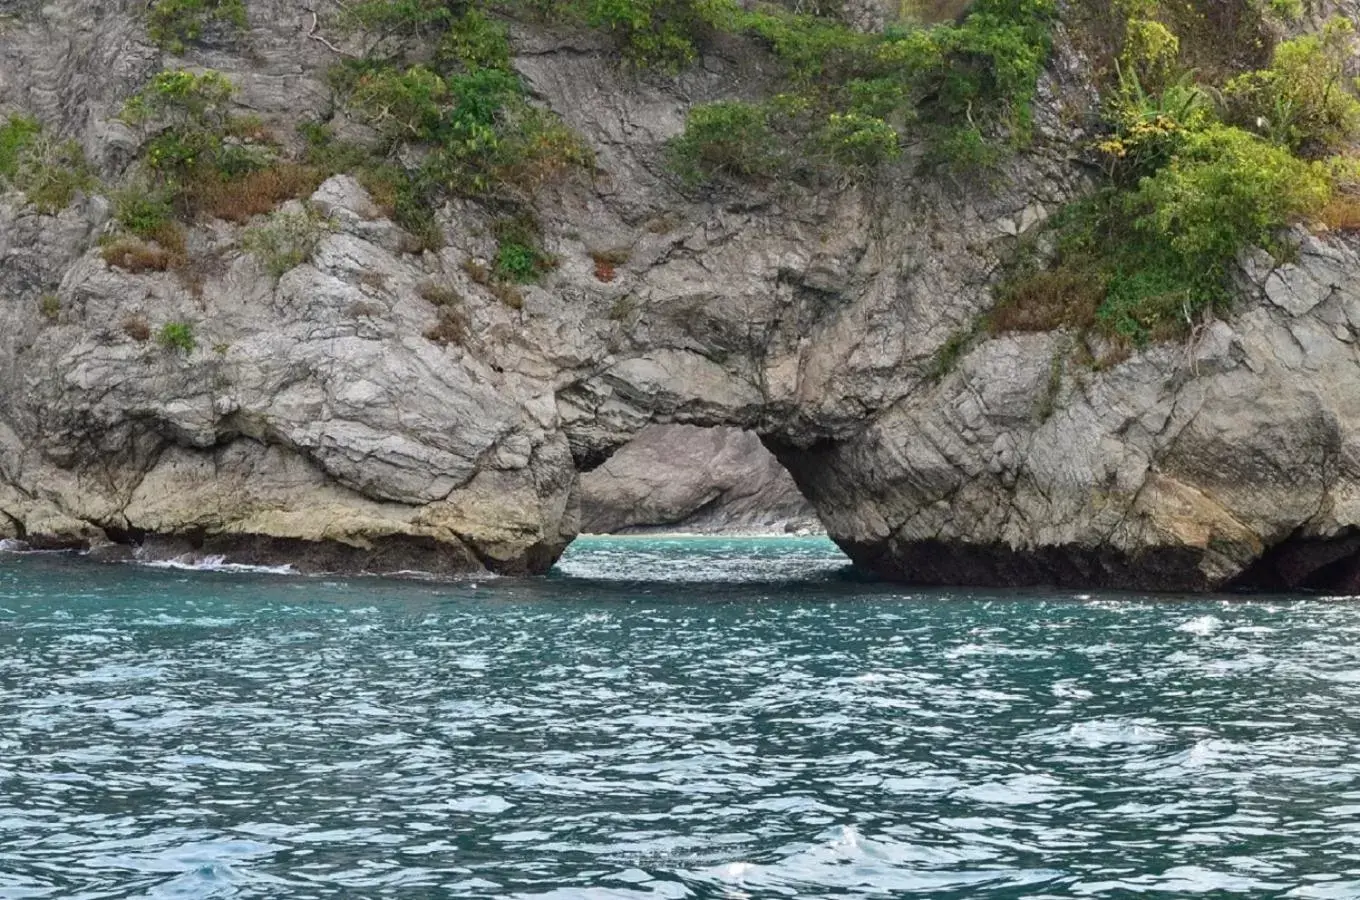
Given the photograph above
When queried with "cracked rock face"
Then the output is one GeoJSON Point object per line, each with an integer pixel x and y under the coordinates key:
{"type": "Point", "coordinates": [314, 422]}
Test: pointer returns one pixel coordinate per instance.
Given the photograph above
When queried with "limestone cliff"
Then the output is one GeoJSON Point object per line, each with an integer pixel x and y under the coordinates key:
{"type": "Point", "coordinates": [315, 421]}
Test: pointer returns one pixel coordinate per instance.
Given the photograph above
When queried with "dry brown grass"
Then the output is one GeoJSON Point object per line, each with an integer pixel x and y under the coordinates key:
{"type": "Point", "coordinates": [241, 199]}
{"type": "Point", "coordinates": [450, 328]}
{"type": "Point", "coordinates": [1113, 356]}
{"type": "Point", "coordinates": [1342, 212]}
{"type": "Point", "coordinates": [375, 280]}
{"type": "Point", "coordinates": [438, 294]}
{"type": "Point", "coordinates": [137, 328]}
{"type": "Point", "coordinates": [365, 309]}
{"type": "Point", "coordinates": [477, 271]}
{"type": "Point", "coordinates": [932, 12]}
{"type": "Point", "coordinates": [136, 255]}
{"type": "Point", "coordinates": [1046, 300]}
{"type": "Point", "coordinates": [252, 129]}
{"type": "Point", "coordinates": [382, 190]}
{"type": "Point", "coordinates": [508, 294]}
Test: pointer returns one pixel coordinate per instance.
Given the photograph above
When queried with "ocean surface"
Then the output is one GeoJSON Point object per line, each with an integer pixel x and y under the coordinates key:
{"type": "Point", "coordinates": [667, 718]}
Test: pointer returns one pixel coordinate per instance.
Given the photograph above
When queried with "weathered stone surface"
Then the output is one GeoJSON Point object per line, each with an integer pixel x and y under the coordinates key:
{"type": "Point", "coordinates": [315, 421]}
{"type": "Point", "coordinates": [682, 478]}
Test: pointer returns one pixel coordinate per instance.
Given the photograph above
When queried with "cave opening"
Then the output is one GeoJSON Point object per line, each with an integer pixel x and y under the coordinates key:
{"type": "Point", "coordinates": [686, 503]}
{"type": "Point", "coordinates": [694, 479]}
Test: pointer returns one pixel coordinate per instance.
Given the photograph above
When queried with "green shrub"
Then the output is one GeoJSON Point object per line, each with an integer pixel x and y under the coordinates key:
{"type": "Point", "coordinates": [329, 154]}
{"type": "Point", "coordinates": [858, 97]}
{"type": "Point", "coordinates": [388, 25]}
{"type": "Point", "coordinates": [1305, 99]}
{"type": "Point", "coordinates": [173, 23]}
{"type": "Point", "coordinates": [1286, 10]}
{"type": "Point", "coordinates": [182, 97]}
{"type": "Point", "coordinates": [203, 161]}
{"type": "Point", "coordinates": [1225, 190]}
{"type": "Point", "coordinates": [855, 139]}
{"type": "Point", "coordinates": [1151, 54]}
{"type": "Point", "coordinates": [656, 33]}
{"type": "Point", "coordinates": [142, 211]}
{"type": "Point", "coordinates": [474, 41]}
{"type": "Point", "coordinates": [818, 53]}
{"type": "Point", "coordinates": [1151, 295]}
{"type": "Point", "coordinates": [731, 138]}
{"type": "Point", "coordinates": [1150, 128]}
{"type": "Point", "coordinates": [403, 105]}
{"type": "Point", "coordinates": [482, 135]}
{"type": "Point", "coordinates": [177, 337]}
{"type": "Point", "coordinates": [286, 240]}
{"type": "Point", "coordinates": [187, 121]}
{"type": "Point", "coordinates": [963, 149]}
{"type": "Point", "coordinates": [1155, 257]}
{"type": "Point", "coordinates": [518, 255]}
{"type": "Point", "coordinates": [992, 63]}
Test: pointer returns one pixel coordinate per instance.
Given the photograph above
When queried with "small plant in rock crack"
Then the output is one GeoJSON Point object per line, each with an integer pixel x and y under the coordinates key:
{"type": "Point", "coordinates": [287, 239]}
{"type": "Point", "coordinates": [177, 337]}
{"type": "Point", "coordinates": [171, 24]}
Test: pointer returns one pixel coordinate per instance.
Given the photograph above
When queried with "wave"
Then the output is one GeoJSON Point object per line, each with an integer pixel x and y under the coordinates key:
{"type": "Point", "coordinates": [213, 564]}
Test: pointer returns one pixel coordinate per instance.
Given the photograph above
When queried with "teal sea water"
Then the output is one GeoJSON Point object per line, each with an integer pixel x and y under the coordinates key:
{"type": "Point", "coordinates": [693, 718]}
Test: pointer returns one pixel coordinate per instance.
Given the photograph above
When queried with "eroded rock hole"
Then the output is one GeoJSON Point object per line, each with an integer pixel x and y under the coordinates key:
{"type": "Point", "coordinates": [1327, 565]}
{"type": "Point", "coordinates": [684, 478]}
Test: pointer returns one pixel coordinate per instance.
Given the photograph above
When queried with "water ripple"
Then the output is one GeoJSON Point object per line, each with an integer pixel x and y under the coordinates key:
{"type": "Point", "coordinates": [601, 735]}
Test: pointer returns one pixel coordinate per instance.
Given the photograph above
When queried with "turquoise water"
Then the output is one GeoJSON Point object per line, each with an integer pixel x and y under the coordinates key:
{"type": "Point", "coordinates": [667, 719]}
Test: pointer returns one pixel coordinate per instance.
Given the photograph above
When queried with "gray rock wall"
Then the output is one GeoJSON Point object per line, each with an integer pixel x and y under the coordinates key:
{"type": "Point", "coordinates": [683, 478]}
{"type": "Point", "coordinates": [315, 421]}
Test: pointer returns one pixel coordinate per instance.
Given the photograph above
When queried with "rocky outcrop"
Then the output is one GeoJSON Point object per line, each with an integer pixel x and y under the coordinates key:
{"type": "Point", "coordinates": [682, 478]}
{"type": "Point", "coordinates": [315, 421]}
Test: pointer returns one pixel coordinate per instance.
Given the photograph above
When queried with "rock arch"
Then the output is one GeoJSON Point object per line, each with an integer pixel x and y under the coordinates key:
{"type": "Point", "coordinates": [327, 413]}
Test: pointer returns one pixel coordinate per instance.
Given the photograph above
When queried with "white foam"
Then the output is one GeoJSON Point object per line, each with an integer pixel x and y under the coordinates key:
{"type": "Point", "coordinates": [1202, 625]}
{"type": "Point", "coordinates": [214, 564]}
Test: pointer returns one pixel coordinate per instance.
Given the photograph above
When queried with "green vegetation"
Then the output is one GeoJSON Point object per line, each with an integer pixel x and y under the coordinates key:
{"type": "Point", "coordinates": [727, 138]}
{"type": "Point", "coordinates": [143, 211]}
{"type": "Point", "coordinates": [518, 255]}
{"type": "Point", "coordinates": [389, 26]}
{"type": "Point", "coordinates": [171, 24]}
{"type": "Point", "coordinates": [15, 136]}
{"type": "Point", "coordinates": [952, 350]}
{"type": "Point", "coordinates": [462, 120]}
{"type": "Point", "coordinates": [658, 33]}
{"type": "Point", "coordinates": [1217, 135]}
{"type": "Point", "coordinates": [1304, 100]}
{"type": "Point", "coordinates": [177, 337]}
{"type": "Point", "coordinates": [187, 116]}
{"type": "Point", "coordinates": [1199, 171]}
{"type": "Point", "coordinates": [202, 161]}
{"type": "Point", "coordinates": [50, 172]}
{"type": "Point", "coordinates": [286, 240]}
{"type": "Point", "coordinates": [858, 98]}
